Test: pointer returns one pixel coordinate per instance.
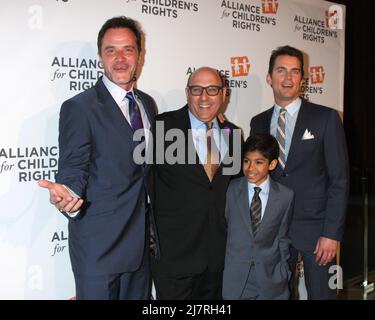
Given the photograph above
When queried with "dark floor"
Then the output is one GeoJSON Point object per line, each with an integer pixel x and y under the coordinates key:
{"type": "Point", "coordinates": [353, 289]}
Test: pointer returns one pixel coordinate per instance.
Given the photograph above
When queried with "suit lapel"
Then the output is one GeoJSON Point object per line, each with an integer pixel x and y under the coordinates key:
{"type": "Point", "coordinates": [225, 146]}
{"type": "Point", "coordinates": [185, 125]}
{"type": "Point", "coordinates": [146, 107]}
{"type": "Point", "coordinates": [301, 125]}
{"type": "Point", "coordinates": [111, 110]}
{"type": "Point", "coordinates": [272, 205]}
{"type": "Point", "coordinates": [182, 122]}
{"type": "Point", "coordinates": [244, 205]}
{"type": "Point", "coordinates": [182, 119]}
{"type": "Point", "coordinates": [268, 119]}
{"type": "Point", "coordinates": [267, 128]}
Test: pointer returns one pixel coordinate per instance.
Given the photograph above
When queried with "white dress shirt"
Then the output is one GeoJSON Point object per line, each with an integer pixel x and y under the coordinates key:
{"type": "Point", "coordinates": [291, 114]}
{"type": "Point", "coordinates": [198, 130]}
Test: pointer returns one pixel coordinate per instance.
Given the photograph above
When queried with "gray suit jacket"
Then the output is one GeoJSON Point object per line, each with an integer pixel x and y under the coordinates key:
{"type": "Point", "coordinates": [267, 252]}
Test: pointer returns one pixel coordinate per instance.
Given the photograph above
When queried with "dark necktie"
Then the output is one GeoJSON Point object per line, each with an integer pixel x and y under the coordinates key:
{"type": "Point", "coordinates": [280, 136]}
{"type": "Point", "coordinates": [213, 155]}
{"type": "Point", "coordinates": [256, 210]}
{"type": "Point", "coordinates": [134, 113]}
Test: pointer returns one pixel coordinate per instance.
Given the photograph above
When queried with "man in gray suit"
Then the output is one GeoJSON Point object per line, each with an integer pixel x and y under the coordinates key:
{"type": "Point", "coordinates": [314, 164]}
{"type": "Point", "coordinates": [258, 212]}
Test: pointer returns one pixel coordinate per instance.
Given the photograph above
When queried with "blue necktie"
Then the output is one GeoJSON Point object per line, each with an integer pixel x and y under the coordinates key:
{"type": "Point", "coordinates": [134, 113]}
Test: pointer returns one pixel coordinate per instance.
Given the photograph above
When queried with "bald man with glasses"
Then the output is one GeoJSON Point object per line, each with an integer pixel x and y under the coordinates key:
{"type": "Point", "coordinates": [190, 197]}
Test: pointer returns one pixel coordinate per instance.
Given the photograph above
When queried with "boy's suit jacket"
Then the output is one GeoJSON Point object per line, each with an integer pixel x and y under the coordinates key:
{"type": "Point", "coordinates": [96, 162]}
{"type": "Point", "coordinates": [267, 252]}
{"type": "Point", "coordinates": [317, 170]}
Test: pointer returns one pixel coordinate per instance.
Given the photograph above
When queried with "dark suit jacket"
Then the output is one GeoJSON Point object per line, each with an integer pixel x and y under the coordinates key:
{"type": "Point", "coordinates": [189, 208]}
{"type": "Point", "coordinates": [317, 171]}
{"type": "Point", "coordinates": [267, 252]}
{"type": "Point", "coordinates": [96, 162]}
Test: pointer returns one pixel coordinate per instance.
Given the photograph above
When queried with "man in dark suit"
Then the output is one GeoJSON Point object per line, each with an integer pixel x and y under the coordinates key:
{"type": "Point", "coordinates": [99, 177]}
{"type": "Point", "coordinates": [190, 193]}
{"type": "Point", "coordinates": [314, 163]}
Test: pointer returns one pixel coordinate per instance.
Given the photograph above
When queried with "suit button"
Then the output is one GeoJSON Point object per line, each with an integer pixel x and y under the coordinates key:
{"type": "Point", "coordinates": [252, 264]}
{"type": "Point", "coordinates": [285, 174]}
{"type": "Point", "coordinates": [210, 188]}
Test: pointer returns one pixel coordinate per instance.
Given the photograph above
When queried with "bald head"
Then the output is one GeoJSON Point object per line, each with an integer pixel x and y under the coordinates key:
{"type": "Point", "coordinates": [208, 70]}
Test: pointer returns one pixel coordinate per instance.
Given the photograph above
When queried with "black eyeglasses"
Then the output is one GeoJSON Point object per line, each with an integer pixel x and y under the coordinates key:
{"type": "Point", "coordinates": [210, 90]}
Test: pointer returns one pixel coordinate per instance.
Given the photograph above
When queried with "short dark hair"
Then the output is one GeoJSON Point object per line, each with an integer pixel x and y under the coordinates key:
{"type": "Point", "coordinates": [264, 143]}
{"type": "Point", "coordinates": [120, 22]}
{"type": "Point", "coordinates": [285, 51]}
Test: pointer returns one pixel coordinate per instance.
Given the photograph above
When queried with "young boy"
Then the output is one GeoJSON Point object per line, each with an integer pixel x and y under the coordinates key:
{"type": "Point", "coordinates": [258, 212]}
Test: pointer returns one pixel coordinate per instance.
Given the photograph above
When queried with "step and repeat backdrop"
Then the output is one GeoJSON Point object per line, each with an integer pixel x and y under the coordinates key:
{"type": "Point", "coordinates": [49, 54]}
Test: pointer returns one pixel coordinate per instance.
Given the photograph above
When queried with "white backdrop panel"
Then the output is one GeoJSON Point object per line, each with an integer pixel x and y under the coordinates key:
{"type": "Point", "coordinates": [49, 54]}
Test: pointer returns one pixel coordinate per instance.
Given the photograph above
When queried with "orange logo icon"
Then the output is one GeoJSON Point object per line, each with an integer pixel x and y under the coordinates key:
{"type": "Point", "coordinates": [317, 74]}
{"type": "Point", "coordinates": [270, 6]}
{"type": "Point", "coordinates": [332, 19]}
{"type": "Point", "coordinates": [240, 66]}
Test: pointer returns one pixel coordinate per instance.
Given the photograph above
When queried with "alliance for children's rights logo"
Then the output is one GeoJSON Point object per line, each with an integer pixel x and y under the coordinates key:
{"type": "Point", "coordinates": [166, 8]}
{"type": "Point", "coordinates": [317, 74]}
{"type": "Point", "coordinates": [240, 69]}
{"type": "Point", "coordinates": [334, 17]}
{"type": "Point", "coordinates": [249, 16]}
{"type": "Point", "coordinates": [240, 66]}
{"type": "Point", "coordinates": [32, 163]}
{"type": "Point", "coordinates": [235, 77]}
{"type": "Point", "coordinates": [313, 83]}
{"type": "Point", "coordinates": [318, 30]}
{"type": "Point", "coordinates": [270, 6]}
{"type": "Point", "coordinates": [78, 73]}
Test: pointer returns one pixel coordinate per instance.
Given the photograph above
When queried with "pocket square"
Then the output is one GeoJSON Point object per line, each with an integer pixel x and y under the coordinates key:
{"type": "Point", "coordinates": [307, 135]}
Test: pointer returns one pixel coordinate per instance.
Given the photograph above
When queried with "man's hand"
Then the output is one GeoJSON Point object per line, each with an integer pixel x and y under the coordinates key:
{"type": "Point", "coordinates": [325, 250]}
{"type": "Point", "coordinates": [60, 196]}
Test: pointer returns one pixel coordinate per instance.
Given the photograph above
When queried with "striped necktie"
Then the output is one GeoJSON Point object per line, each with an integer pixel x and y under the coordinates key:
{"type": "Point", "coordinates": [280, 136]}
{"type": "Point", "coordinates": [213, 155]}
{"type": "Point", "coordinates": [256, 210]}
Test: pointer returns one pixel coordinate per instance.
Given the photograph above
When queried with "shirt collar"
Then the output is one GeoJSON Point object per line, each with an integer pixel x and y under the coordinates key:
{"type": "Point", "coordinates": [195, 123]}
{"type": "Point", "coordinates": [116, 91]}
{"type": "Point", "coordinates": [265, 185]}
{"type": "Point", "coordinates": [291, 108]}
